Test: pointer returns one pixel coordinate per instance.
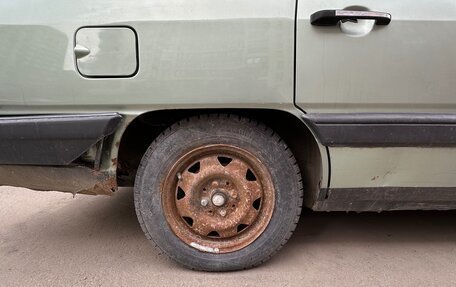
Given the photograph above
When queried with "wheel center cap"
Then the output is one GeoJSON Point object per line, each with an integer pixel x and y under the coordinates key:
{"type": "Point", "coordinates": [218, 199]}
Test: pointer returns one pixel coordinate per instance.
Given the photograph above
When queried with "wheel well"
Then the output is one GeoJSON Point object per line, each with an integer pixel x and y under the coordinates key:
{"type": "Point", "coordinates": [145, 128]}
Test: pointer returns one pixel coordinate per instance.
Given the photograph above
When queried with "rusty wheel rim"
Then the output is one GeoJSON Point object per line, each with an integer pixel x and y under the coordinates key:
{"type": "Point", "coordinates": [218, 198]}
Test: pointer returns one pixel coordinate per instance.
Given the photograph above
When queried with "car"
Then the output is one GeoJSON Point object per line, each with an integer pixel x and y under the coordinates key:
{"type": "Point", "coordinates": [229, 117]}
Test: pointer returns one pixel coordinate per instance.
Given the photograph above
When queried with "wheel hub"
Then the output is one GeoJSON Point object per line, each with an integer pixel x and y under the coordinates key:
{"type": "Point", "coordinates": [218, 198]}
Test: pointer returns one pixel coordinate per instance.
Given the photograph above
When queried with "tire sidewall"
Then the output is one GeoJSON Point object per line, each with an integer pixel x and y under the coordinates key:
{"type": "Point", "coordinates": [245, 134]}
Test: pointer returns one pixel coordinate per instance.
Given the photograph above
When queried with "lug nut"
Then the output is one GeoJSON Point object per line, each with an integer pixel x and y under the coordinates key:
{"type": "Point", "coordinates": [214, 183]}
{"type": "Point", "coordinates": [204, 201]}
{"type": "Point", "coordinates": [222, 212]}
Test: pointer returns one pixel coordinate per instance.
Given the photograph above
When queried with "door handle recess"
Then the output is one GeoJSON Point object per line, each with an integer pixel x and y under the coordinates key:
{"type": "Point", "coordinates": [332, 17]}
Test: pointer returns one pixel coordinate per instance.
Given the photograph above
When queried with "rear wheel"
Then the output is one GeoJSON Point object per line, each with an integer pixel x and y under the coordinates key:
{"type": "Point", "coordinates": [218, 192]}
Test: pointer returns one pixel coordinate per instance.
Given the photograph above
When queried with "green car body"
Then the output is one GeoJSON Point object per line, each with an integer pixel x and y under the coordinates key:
{"type": "Point", "coordinates": [151, 56]}
{"type": "Point", "coordinates": [369, 110]}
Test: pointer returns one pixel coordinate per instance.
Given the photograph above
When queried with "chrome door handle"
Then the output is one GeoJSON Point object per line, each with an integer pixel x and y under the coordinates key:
{"type": "Point", "coordinates": [332, 17]}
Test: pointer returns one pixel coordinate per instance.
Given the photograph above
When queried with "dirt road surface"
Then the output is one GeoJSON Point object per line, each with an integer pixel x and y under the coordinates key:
{"type": "Point", "coordinates": [53, 239]}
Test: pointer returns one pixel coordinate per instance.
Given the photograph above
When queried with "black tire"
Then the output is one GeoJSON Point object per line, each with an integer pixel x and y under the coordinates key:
{"type": "Point", "coordinates": [219, 129]}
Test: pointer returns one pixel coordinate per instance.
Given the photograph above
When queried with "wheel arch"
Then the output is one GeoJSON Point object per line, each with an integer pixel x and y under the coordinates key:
{"type": "Point", "coordinates": [144, 128]}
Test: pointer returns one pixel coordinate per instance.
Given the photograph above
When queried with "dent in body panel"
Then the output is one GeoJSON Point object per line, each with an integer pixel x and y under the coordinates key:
{"type": "Point", "coordinates": [393, 167]}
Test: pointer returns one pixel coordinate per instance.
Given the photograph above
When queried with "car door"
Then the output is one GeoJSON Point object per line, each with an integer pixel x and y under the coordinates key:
{"type": "Point", "coordinates": [406, 66]}
{"type": "Point", "coordinates": [379, 90]}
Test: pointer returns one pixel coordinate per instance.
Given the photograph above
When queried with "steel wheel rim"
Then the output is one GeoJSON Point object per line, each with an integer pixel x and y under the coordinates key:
{"type": "Point", "coordinates": [218, 198]}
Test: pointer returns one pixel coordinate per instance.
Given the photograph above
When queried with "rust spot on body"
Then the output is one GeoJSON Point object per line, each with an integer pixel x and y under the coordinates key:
{"type": "Point", "coordinates": [73, 179]}
{"type": "Point", "coordinates": [103, 187]}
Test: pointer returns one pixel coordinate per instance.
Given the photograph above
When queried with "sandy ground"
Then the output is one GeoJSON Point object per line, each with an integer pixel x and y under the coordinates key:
{"type": "Point", "coordinates": [51, 239]}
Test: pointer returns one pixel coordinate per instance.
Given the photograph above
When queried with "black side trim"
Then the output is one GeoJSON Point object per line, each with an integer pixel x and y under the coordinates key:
{"type": "Point", "coordinates": [52, 139]}
{"type": "Point", "coordinates": [386, 198]}
{"type": "Point", "coordinates": [384, 130]}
